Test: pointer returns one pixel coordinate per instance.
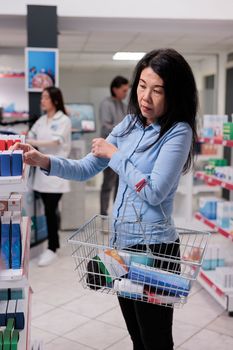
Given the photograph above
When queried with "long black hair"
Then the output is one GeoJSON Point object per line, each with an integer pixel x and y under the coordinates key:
{"type": "Point", "coordinates": [181, 97]}
{"type": "Point", "coordinates": [56, 97]}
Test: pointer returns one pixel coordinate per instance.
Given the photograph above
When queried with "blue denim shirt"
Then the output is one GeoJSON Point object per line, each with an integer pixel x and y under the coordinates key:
{"type": "Point", "coordinates": [160, 167]}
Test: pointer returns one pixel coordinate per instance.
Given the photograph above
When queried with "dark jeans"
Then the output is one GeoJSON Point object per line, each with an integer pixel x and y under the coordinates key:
{"type": "Point", "coordinates": [51, 201]}
{"type": "Point", "coordinates": [150, 325]}
{"type": "Point", "coordinates": [110, 182]}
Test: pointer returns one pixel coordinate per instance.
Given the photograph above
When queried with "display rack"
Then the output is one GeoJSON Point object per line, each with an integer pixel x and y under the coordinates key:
{"type": "Point", "coordinates": [9, 184]}
{"type": "Point", "coordinates": [214, 181]}
{"type": "Point", "coordinates": [224, 296]}
{"type": "Point", "coordinates": [212, 224]}
{"type": "Point", "coordinates": [18, 278]}
{"type": "Point", "coordinates": [186, 193]}
{"type": "Point", "coordinates": [216, 141]}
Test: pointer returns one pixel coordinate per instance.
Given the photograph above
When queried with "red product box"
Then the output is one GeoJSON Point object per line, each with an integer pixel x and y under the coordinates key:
{"type": "Point", "coordinates": [2, 145]}
{"type": "Point", "coordinates": [9, 143]}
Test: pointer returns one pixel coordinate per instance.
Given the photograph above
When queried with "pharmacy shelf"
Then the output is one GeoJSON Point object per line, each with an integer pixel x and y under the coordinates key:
{"type": "Point", "coordinates": [206, 157]}
{"type": "Point", "coordinates": [205, 188]}
{"type": "Point", "coordinates": [9, 184]}
{"type": "Point", "coordinates": [213, 180]}
{"type": "Point", "coordinates": [224, 296]}
{"type": "Point", "coordinates": [216, 141]}
{"type": "Point", "coordinates": [212, 224]}
{"type": "Point", "coordinates": [12, 75]}
{"type": "Point", "coordinates": [17, 278]}
{"type": "Point", "coordinates": [23, 115]}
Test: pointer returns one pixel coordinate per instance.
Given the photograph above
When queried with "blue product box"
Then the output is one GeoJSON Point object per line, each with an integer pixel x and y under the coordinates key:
{"type": "Point", "coordinates": [5, 238]}
{"type": "Point", "coordinates": [19, 316]}
{"type": "Point", "coordinates": [208, 207]}
{"type": "Point", "coordinates": [172, 283]}
{"type": "Point", "coordinates": [6, 163]}
{"type": "Point", "coordinates": [17, 163]}
{"type": "Point", "coordinates": [211, 264]}
{"type": "Point", "coordinates": [16, 240]}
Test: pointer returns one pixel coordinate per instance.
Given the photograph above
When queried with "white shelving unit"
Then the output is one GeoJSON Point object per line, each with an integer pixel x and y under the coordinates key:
{"type": "Point", "coordinates": [224, 296]}
{"type": "Point", "coordinates": [186, 196]}
{"type": "Point", "coordinates": [18, 278]}
{"type": "Point", "coordinates": [9, 184]}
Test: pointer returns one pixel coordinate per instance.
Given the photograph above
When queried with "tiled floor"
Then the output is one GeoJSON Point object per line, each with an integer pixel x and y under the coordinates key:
{"type": "Point", "coordinates": [67, 317]}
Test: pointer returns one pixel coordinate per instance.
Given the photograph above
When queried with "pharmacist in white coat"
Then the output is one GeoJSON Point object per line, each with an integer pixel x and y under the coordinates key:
{"type": "Point", "coordinates": [51, 134]}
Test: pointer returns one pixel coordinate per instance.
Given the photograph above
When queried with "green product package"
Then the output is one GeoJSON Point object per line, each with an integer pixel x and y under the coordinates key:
{"type": "Point", "coordinates": [7, 340]}
{"type": "Point", "coordinates": [218, 162]}
{"type": "Point", "coordinates": [1, 340]}
{"type": "Point", "coordinates": [10, 324]}
{"type": "Point", "coordinates": [14, 340]}
{"type": "Point", "coordinates": [103, 270]}
{"type": "Point", "coordinates": [228, 131]}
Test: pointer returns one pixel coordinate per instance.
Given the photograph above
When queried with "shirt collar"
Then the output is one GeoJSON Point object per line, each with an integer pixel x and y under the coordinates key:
{"type": "Point", "coordinates": [154, 126]}
{"type": "Point", "coordinates": [57, 115]}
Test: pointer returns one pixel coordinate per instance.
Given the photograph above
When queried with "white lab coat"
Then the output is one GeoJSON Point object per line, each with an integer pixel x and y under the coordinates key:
{"type": "Point", "coordinates": [57, 128]}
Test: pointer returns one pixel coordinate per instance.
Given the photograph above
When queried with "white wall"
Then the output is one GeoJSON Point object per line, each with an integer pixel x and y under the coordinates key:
{"type": "Point", "coordinates": [13, 89]}
{"type": "Point", "coordinates": [190, 9]}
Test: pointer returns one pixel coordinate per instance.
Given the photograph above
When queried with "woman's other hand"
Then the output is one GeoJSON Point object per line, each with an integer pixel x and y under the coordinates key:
{"type": "Point", "coordinates": [103, 149]}
{"type": "Point", "coordinates": [32, 156]}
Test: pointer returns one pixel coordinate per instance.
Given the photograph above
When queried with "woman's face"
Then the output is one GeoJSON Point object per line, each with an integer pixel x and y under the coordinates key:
{"type": "Point", "coordinates": [46, 102]}
{"type": "Point", "coordinates": [151, 95]}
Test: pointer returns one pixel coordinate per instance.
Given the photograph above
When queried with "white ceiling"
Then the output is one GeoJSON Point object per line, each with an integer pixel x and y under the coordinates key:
{"type": "Point", "coordinates": [91, 42]}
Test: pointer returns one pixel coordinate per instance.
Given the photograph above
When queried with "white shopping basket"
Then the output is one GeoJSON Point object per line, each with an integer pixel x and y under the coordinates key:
{"type": "Point", "coordinates": [157, 273]}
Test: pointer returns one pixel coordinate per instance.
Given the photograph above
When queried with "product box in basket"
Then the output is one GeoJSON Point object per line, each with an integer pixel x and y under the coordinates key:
{"type": "Point", "coordinates": [112, 265]}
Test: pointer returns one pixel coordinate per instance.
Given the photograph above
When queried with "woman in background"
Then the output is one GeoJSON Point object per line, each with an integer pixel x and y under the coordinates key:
{"type": "Point", "coordinates": [51, 134]}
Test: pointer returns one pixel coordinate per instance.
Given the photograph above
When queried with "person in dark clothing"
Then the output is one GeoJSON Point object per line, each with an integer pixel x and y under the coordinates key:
{"type": "Point", "coordinates": [112, 111]}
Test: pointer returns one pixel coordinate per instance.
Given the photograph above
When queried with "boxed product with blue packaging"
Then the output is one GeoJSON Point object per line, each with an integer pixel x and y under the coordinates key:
{"type": "Point", "coordinates": [16, 245]}
{"type": "Point", "coordinates": [214, 257]}
{"type": "Point", "coordinates": [17, 163]}
{"type": "Point", "coordinates": [208, 207]}
{"type": "Point", "coordinates": [5, 238]}
{"type": "Point", "coordinates": [19, 315]}
{"type": "Point", "coordinates": [163, 280]}
{"type": "Point", "coordinates": [6, 163]}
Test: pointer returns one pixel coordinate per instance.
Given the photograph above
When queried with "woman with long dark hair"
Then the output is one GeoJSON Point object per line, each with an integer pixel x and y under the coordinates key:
{"type": "Point", "coordinates": [51, 134]}
{"type": "Point", "coordinates": [153, 146]}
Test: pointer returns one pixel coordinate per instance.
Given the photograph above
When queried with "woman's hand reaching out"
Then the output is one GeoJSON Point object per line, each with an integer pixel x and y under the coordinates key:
{"type": "Point", "coordinates": [32, 156]}
{"type": "Point", "coordinates": [101, 148]}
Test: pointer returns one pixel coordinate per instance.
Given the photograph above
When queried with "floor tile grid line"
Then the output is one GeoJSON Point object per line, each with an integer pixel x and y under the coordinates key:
{"type": "Point", "coordinates": [44, 313]}
{"type": "Point", "coordinates": [115, 343]}
{"type": "Point", "coordinates": [104, 322]}
{"type": "Point", "coordinates": [63, 335]}
{"type": "Point", "coordinates": [78, 343]}
{"type": "Point", "coordinates": [231, 336]}
{"type": "Point", "coordinates": [42, 330]}
{"type": "Point", "coordinates": [62, 304]}
{"type": "Point", "coordinates": [200, 330]}
{"type": "Point", "coordinates": [73, 329]}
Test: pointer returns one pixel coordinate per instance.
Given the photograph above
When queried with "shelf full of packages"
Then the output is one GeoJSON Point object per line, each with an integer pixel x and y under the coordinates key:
{"type": "Point", "coordinates": [208, 278]}
{"type": "Point", "coordinates": [18, 277]}
{"type": "Point", "coordinates": [14, 286]}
